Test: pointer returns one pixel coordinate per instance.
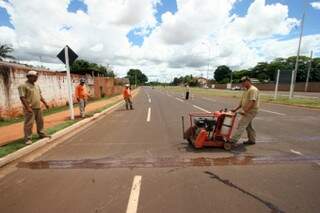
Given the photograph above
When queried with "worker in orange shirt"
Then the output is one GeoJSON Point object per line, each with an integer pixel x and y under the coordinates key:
{"type": "Point", "coordinates": [127, 96]}
{"type": "Point", "coordinates": [82, 97]}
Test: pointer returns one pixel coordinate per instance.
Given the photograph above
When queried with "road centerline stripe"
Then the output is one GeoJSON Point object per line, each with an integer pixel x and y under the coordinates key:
{"type": "Point", "coordinates": [277, 113]}
{"type": "Point", "coordinates": [149, 114]}
{"type": "Point", "coordinates": [296, 152]}
{"type": "Point", "coordinates": [179, 99]}
{"type": "Point", "coordinates": [149, 98]}
{"type": "Point", "coordinates": [195, 106]}
{"type": "Point", "coordinates": [134, 195]}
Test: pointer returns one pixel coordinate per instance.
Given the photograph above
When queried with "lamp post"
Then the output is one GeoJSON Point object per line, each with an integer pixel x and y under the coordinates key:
{"type": "Point", "coordinates": [208, 58]}
{"type": "Point", "coordinates": [308, 74]}
{"type": "Point", "coordinates": [294, 72]}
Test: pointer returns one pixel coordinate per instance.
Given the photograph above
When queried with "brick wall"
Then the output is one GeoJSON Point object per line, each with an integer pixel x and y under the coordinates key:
{"type": "Point", "coordinates": [53, 86]}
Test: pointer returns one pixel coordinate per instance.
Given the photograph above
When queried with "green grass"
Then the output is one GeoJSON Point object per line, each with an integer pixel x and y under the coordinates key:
{"type": "Point", "coordinates": [303, 102]}
{"type": "Point", "coordinates": [46, 112]}
{"type": "Point", "coordinates": [18, 144]}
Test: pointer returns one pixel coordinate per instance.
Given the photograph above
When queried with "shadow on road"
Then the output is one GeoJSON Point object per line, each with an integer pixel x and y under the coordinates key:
{"type": "Point", "coordinates": [189, 148]}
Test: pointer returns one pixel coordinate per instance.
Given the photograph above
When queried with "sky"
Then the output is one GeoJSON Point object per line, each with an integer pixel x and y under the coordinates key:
{"type": "Point", "coordinates": [163, 38]}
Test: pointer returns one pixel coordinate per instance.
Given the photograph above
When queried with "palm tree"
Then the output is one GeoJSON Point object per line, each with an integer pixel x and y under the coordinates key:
{"type": "Point", "coordinates": [4, 51]}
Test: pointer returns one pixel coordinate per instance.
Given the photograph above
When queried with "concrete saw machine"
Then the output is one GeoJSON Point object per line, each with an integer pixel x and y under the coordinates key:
{"type": "Point", "coordinates": [211, 129]}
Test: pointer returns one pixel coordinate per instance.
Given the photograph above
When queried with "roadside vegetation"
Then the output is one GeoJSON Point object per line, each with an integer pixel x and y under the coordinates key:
{"type": "Point", "coordinates": [302, 102]}
{"type": "Point", "coordinates": [18, 144]}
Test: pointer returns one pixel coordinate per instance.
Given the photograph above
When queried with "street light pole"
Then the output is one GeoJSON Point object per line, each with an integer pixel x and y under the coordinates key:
{"type": "Point", "coordinates": [208, 59]}
{"type": "Point", "coordinates": [135, 78]}
{"type": "Point", "coordinates": [308, 74]}
{"type": "Point", "coordinates": [294, 72]}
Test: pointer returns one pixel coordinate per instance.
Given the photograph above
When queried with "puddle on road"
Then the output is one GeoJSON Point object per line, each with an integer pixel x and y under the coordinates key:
{"type": "Point", "coordinates": [108, 163]}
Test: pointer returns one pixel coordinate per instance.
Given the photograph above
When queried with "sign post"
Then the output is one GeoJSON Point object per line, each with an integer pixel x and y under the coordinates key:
{"type": "Point", "coordinates": [67, 56]}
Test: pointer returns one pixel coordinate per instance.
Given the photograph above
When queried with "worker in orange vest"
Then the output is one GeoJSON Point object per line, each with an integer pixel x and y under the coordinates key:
{"type": "Point", "coordinates": [127, 96]}
{"type": "Point", "coordinates": [82, 97]}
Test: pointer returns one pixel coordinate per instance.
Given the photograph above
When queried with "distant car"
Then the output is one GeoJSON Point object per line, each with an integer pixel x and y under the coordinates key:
{"type": "Point", "coordinates": [236, 88]}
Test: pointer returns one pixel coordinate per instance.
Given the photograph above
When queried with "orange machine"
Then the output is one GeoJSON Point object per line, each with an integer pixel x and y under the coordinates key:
{"type": "Point", "coordinates": [210, 129]}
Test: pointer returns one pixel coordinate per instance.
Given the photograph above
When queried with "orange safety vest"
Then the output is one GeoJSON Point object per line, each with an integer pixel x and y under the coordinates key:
{"type": "Point", "coordinates": [126, 93]}
{"type": "Point", "coordinates": [81, 92]}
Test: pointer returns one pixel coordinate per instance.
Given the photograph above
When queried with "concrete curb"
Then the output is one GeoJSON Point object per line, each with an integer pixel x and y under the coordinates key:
{"type": "Point", "coordinates": [28, 149]}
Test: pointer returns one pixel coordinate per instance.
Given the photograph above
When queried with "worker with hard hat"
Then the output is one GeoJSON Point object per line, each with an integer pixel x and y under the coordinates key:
{"type": "Point", "coordinates": [249, 106]}
{"type": "Point", "coordinates": [127, 96]}
{"type": "Point", "coordinates": [30, 96]}
{"type": "Point", "coordinates": [82, 97]}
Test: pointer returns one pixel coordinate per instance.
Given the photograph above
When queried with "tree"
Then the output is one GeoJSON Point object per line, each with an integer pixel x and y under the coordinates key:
{"type": "Point", "coordinates": [315, 71]}
{"type": "Point", "coordinates": [237, 75]}
{"type": "Point", "coordinates": [268, 71]}
{"type": "Point", "coordinates": [84, 67]}
{"type": "Point", "coordinates": [222, 72]}
{"type": "Point", "coordinates": [136, 76]}
{"type": "Point", "coordinates": [5, 50]}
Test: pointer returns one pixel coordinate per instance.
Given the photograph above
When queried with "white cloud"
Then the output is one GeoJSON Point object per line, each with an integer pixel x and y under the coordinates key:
{"type": "Point", "coordinates": [173, 47]}
{"type": "Point", "coordinates": [316, 5]}
{"type": "Point", "coordinates": [276, 48]}
{"type": "Point", "coordinates": [263, 21]}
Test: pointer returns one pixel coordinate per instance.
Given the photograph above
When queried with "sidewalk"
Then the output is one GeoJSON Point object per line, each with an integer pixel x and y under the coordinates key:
{"type": "Point", "coordinates": [15, 131]}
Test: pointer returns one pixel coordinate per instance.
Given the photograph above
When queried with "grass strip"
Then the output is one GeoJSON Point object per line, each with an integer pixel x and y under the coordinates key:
{"type": "Point", "coordinates": [46, 112]}
{"type": "Point", "coordinates": [302, 102]}
{"type": "Point", "coordinates": [18, 144]}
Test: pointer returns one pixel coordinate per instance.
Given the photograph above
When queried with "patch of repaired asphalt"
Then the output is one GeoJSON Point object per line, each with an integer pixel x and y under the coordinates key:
{"type": "Point", "coordinates": [168, 162]}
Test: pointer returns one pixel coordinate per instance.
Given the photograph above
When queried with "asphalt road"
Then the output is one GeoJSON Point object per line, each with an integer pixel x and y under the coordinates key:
{"type": "Point", "coordinates": [137, 161]}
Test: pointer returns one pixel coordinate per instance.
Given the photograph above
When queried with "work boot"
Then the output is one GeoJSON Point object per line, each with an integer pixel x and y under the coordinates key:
{"type": "Point", "coordinates": [28, 142]}
{"type": "Point", "coordinates": [249, 142]}
{"type": "Point", "coordinates": [44, 136]}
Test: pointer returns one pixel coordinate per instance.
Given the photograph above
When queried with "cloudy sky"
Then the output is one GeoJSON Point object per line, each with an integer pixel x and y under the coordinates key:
{"type": "Point", "coordinates": [163, 38]}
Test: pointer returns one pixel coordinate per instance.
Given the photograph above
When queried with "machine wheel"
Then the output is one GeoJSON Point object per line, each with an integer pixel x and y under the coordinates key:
{"type": "Point", "coordinates": [227, 146]}
{"type": "Point", "coordinates": [190, 142]}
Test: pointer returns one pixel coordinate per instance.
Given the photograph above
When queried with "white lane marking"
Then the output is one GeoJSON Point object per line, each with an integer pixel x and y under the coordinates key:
{"type": "Point", "coordinates": [149, 114]}
{"type": "Point", "coordinates": [277, 113]}
{"type": "Point", "coordinates": [134, 195]}
{"type": "Point", "coordinates": [296, 152]}
{"type": "Point", "coordinates": [180, 100]}
{"type": "Point", "coordinates": [149, 98]}
{"type": "Point", "coordinates": [195, 106]}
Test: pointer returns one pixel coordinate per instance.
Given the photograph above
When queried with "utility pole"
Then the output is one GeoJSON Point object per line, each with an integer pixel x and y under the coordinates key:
{"type": "Point", "coordinates": [208, 58]}
{"type": "Point", "coordinates": [277, 85]}
{"type": "Point", "coordinates": [308, 74]}
{"type": "Point", "coordinates": [135, 78]}
{"type": "Point", "coordinates": [294, 72]}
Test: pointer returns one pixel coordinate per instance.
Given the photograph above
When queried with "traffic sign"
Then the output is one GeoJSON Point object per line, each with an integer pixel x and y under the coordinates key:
{"type": "Point", "coordinates": [72, 55]}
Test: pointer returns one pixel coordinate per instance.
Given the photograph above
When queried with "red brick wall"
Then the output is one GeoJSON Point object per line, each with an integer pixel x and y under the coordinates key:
{"type": "Point", "coordinates": [104, 85]}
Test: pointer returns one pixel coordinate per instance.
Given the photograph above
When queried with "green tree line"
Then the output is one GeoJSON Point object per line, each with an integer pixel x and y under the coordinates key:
{"type": "Point", "coordinates": [266, 72]}
{"type": "Point", "coordinates": [82, 67]}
